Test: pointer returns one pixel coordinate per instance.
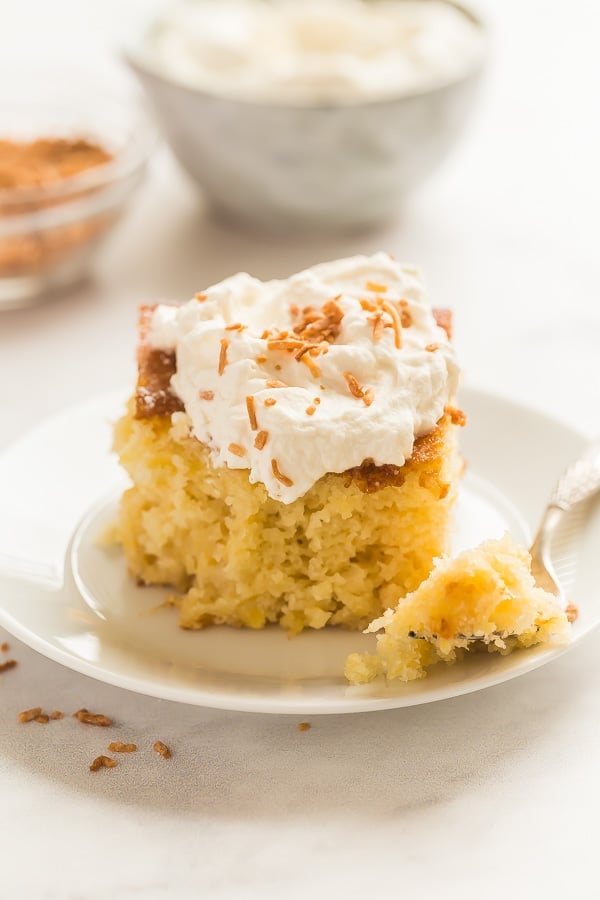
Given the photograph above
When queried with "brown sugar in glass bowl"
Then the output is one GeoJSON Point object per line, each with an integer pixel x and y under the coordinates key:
{"type": "Point", "coordinates": [41, 164]}
{"type": "Point", "coordinates": [26, 164]}
{"type": "Point", "coordinates": [69, 163]}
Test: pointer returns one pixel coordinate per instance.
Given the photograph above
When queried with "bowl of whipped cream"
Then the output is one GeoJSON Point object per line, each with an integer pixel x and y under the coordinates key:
{"type": "Point", "coordinates": [310, 113]}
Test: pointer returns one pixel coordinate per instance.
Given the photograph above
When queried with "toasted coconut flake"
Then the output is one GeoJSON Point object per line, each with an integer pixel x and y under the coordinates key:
{"type": "Point", "coordinates": [310, 410]}
{"type": "Point", "coordinates": [572, 612]}
{"type": "Point", "coordinates": [333, 310]}
{"type": "Point", "coordinates": [316, 400]}
{"type": "Point", "coordinates": [9, 664]}
{"type": "Point", "coordinates": [457, 416]}
{"type": "Point", "coordinates": [200, 297]}
{"type": "Point", "coordinates": [261, 359]}
{"type": "Point", "coordinates": [431, 348]}
{"type": "Point", "coordinates": [89, 718]}
{"type": "Point", "coordinates": [368, 305]}
{"type": "Point", "coordinates": [375, 287]}
{"type": "Point", "coordinates": [223, 355]}
{"type": "Point", "coordinates": [310, 314]}
{"type": "Point", "coordinates": [303, 726]}
{"type": "Point", "coordinates": [353, 385]}
{"type": "Point", "coordinates": [312, 366]}
{"type": "Point", "coordinates": [4, 647]}
{"type": "Point", "coordinates": [288, 344]}
{"type": "Point", "coordinates": [28, 715]}
{"type": "Point", "coordinates": [161, 749]}
{"type": "Point", "coordinates": [261, 439]}
{"type": "Point", "coordinates": [43, 719]}
{"type": "Point", "coordinates": [276, 384]}
{"type": "Point", "coordinates": [278, 368]}
{"type": "Point", "coordinates": [120, 747]}
{"type": "Point", "coordinates": [405, 318]}
{"type": "Point", "coordinates": [237, 326]}
{"type": "Point", "coordinates": [322, 324]}
{"type": "Point", "coordinates": [102, 762]}
{"type": "Point", "coordinates": [366, 395]}
{"type": "Point", "coordinates": [376, 321]}
{"type": "Point", "coordinates": [206, 395]}
{"type": "Point", "coordinates": [300, 353]}
{"type": "Point", "coordinates": [251, 412]}
{"type": "Point", "coordinates": [57, 714]}
{"type": "Point", "coordinates": [391, 310]}
{"type": "Point", "coordinates": [237, 450]}
{"type": "Point", "coordinates": [279, 475]}
{"type": "Point", "coordinates": [270, 401]}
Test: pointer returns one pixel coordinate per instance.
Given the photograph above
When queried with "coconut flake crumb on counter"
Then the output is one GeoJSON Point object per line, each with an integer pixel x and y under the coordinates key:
{"type": "Point", "coordinates": [312, 333]}
{"type": "Point", "coordinates": [319, 52]}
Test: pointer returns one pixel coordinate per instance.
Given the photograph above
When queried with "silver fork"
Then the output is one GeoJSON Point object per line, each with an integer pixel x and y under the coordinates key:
{"type": "Point", "coordinates": [579, 482]}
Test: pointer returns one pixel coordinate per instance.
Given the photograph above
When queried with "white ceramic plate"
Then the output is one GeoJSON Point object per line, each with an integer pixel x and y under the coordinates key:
{"type": "Point", "coordinates": [70, 599]}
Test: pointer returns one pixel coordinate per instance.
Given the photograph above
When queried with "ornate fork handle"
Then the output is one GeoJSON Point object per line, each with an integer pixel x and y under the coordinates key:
{"type": "Point", "coordinates": [579, 482]}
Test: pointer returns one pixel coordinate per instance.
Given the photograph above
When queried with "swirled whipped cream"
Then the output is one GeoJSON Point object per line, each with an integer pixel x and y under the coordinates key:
{"type": "Point", "coordinates": [314, 51]}
{"type": "Point", "coordinates": [292, 379]}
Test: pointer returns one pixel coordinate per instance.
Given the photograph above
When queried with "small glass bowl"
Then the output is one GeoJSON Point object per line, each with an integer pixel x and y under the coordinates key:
{"type": "Point", "coordinates": [50, 232]}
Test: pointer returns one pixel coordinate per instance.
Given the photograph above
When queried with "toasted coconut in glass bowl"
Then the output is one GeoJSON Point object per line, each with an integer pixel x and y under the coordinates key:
{"type": "Point", "coordinates": [72, 152]}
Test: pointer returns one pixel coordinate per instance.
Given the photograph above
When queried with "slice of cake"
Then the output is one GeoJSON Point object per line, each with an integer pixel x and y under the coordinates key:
{"type": "Point", "coordinates": [292, 446]}
{"type": "Point", "coordinates": [485, 596]}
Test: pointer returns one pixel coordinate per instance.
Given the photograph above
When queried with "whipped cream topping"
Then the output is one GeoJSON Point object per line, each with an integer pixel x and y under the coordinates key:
{"type": "Point", "coordinates": [292, 379]}
{"type": "Point", "coordinates": [314, 51]}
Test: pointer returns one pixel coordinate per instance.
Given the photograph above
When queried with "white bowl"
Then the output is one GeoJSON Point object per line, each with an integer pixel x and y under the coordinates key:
{"type": "Point", "coordinates": [329, 166]}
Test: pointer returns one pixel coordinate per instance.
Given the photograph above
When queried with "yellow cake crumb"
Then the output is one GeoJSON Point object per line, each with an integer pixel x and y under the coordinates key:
{"type": "Point", "coordinates": [487, 593]}
{"type": "Point", "coordinates": [339, 555]}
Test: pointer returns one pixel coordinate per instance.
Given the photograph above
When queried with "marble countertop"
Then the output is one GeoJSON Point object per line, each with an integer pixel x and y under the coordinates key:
{"type": "Point", "coordinates": [484, 795]}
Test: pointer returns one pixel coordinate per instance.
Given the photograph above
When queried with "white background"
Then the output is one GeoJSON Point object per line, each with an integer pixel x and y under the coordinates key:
{"type": "Point", "coordinates": [486, 795]}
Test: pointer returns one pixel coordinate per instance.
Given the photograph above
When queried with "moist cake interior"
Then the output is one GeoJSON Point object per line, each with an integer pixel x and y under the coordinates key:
{"type": "Point", "coordinates": [484, 598]}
